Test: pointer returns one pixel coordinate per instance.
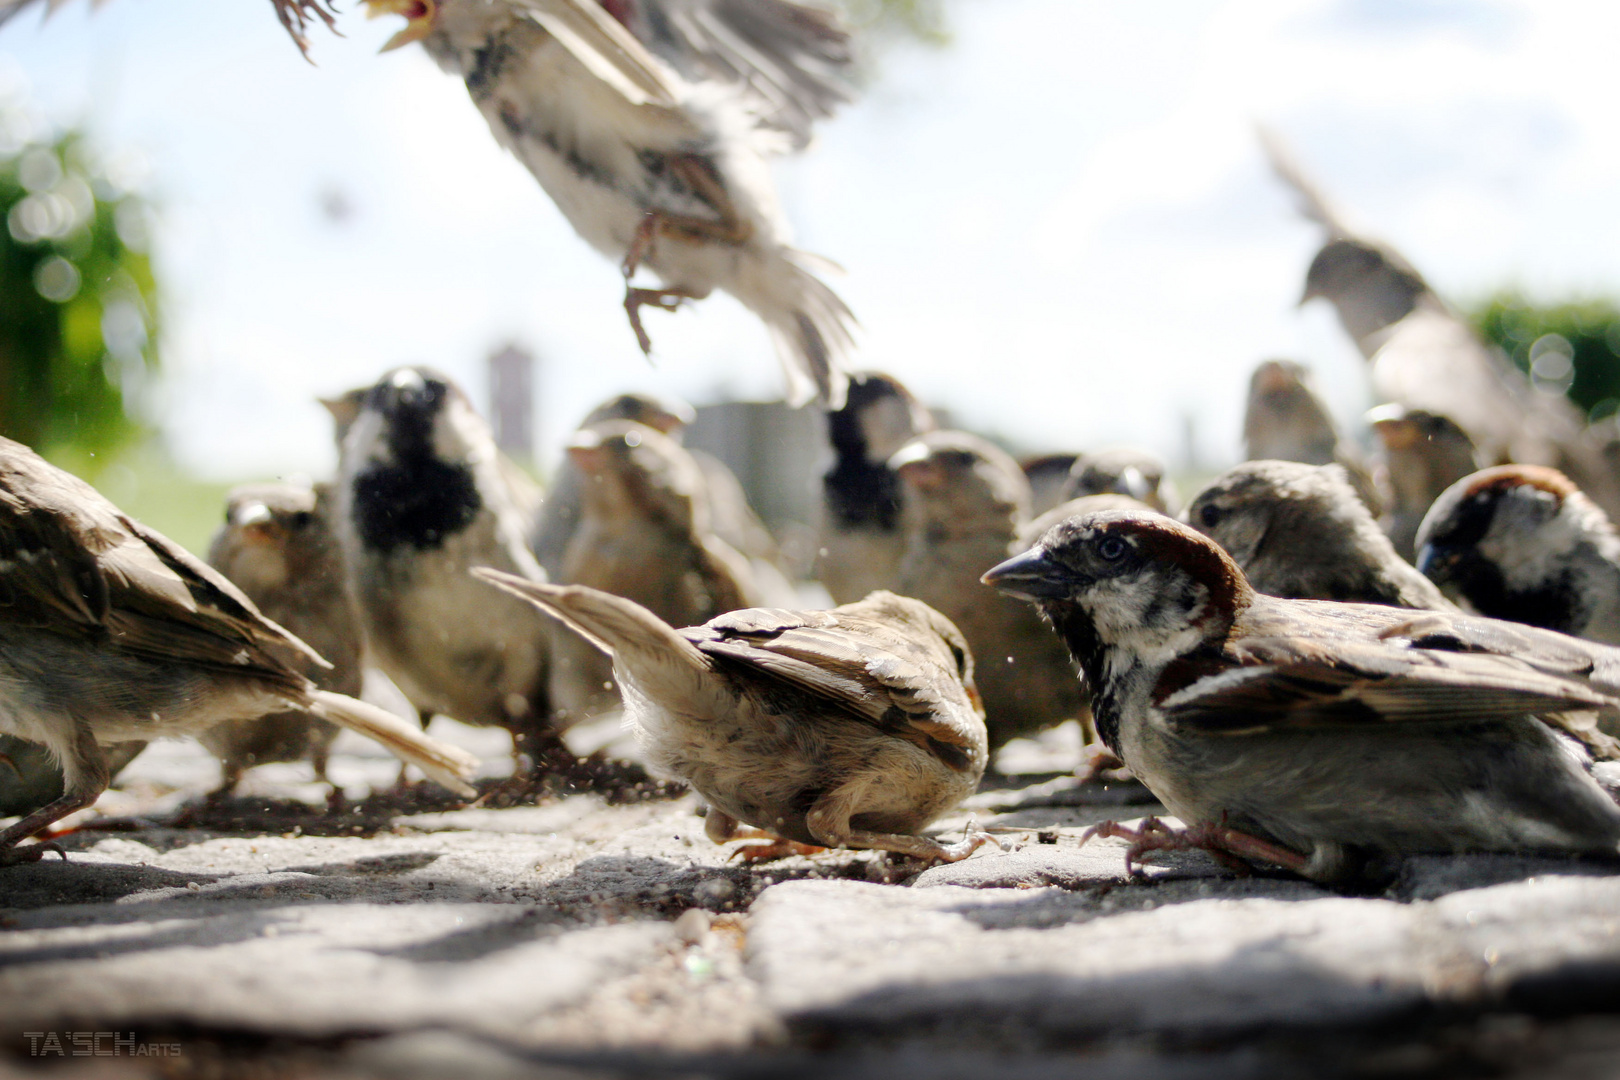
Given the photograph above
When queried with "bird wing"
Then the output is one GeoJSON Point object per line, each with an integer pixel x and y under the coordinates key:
{"type": "Point", "coordinates": [790, 60]}
{"type": "Point", "coordinates": [294, 15]}
{"type": "Point", "coordinates": [607, 49]}
{"type": "Point", "coordinates": [71, 562]}
{"type": "Point", "coordinates": [1370, 665]}
{"type": "Point", "coordinates": [861, 665]}
{"type": "Point", "coordinates": [1313, 205]}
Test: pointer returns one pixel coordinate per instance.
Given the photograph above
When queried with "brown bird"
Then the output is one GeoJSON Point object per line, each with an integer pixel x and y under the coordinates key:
{"type": "Point", "coordinates": [854, 727]}
{"type": "Point", "coordinates": [1521, 542]}
{"type": "Point", "coordinates": [861, 541]}
{"type": "Point", "coordinates": [420, 500]}
{"type": "Point", "coordinates": [643, 534]}
{"type": "Point", "coordinates": [1303, 532]}
{"type": "Point", "coordinates": [1122, 470]}
{"type": "Point", "coordinates": [1048, 476]}
{"type": "Point", "coordinates": [1322, 737]}
{"type": "Point", "coordinates": [1423, 455]}
{"type": "Point", "coordinates": [965, 500]}
{"type": "Point", "coordinates": [1287, 420]}
{"type": "Point", "coordinates": [278, 547]}
{"type": "Point", "coordinates": [113, 633]}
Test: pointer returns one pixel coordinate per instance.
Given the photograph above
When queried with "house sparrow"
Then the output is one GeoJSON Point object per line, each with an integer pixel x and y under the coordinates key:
{"type": "Point", "coordinates": [965, 500]}
{"type": "Point", "coordinates": [1311, 734]}
{"type": "Point", "coordinates": [643, 534]}
{"type": "Point", "coordinates": [646, 167]}
{"type": "Point", "coordinates": [421, 499]}
{"type": "Point", "coordinates": [559, 517]}
{"type": "Point", "coordinates": [1048, 476]}
{"type": "Point", "coordinates": [1302, 532]}
{"type": "Point", "coordinates": [1521, 542]}
{"type": "Point", "coordinates": [860, 538]}
{"type": "Point", "coordinates": [277, 546]}
{"type": "Point", "coordinates": [114, 633]}
{"type": "Point", "coordinates": [1423, 454]}
{"type": "Point", "coordinates": [854, 727]}
{"type": "Point", "coordinates": [1286, 420]}
{"type": "Point", "coordinates": [1122, 470]}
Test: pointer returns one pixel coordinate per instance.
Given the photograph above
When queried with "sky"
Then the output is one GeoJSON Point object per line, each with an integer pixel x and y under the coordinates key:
{"type": "Point", "coordinates": [1060, 225]}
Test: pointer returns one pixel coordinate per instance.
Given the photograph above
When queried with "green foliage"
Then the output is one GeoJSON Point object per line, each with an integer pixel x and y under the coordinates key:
{"type": "Point", "coordinates": [921, 20]}
{"type": "Point", "coordinates": [1572, 346]}
{"type": "Point", "coordinates": [78, 302]}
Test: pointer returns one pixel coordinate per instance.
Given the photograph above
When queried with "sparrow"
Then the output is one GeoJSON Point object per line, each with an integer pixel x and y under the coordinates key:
{"type": "Point", "coordinates": [643, 534]}
{"type": "Point", "coordinates": [1286, 420]}
{"type": "Point", "coordinates": [1423, 355]}
{"type": "Point", "coordinates": [528, 497]}
{"type": "Point", "coordinates": [1303, 532]}
{"type": "Point", "coordinates": [1423, 454]}
{"type": "Point", "coordinates": [559, 518]}
{"type": "Point", "coordinates": [854, 727]}
{"type": "Point", "coordinates": [860, 536]}
{"type": "Point", "coordinates": [964, 502]}
{"type": "Point", "coordinates": [277, 546]}
{"type": "Point", "coordinates": [1048, 476]}
{"type": "Point", "coordinates": [650, 168]}
{"type": "Point", "coordinates": [1122, 470]}
{"type": "Point", "coordinates": [114, 633]}
{"type": "Point", "coordinates": [1521, 542]}
{"type": "Point", "coordinates": [295, 16]}
{"type": "Point", "coordinates": [420, 499]}
{"type": "Point", "coordinates": [1322, 737]}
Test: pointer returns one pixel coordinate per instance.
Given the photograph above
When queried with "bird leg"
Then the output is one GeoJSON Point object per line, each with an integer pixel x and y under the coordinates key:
{"type": "Point", "coordinates": [664, 299]}
{"type": "Point", "coordinates": [829, 821]}
{"type": "Point", "coordinates": [1226, 845]}
{"type": "Point", "coordinates": [758, 845]}
{"type": "Point", "coordinates": [90, 775]}
{"type": "Point", "coordinates": [1096, 759]}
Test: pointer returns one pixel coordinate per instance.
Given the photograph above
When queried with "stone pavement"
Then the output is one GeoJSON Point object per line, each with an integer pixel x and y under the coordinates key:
{"type": "Point", "coordinates": [583, 938]}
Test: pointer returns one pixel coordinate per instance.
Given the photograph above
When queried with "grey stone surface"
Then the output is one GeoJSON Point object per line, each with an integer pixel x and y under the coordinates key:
{"type": "Point", "coordinates": [579, 939]}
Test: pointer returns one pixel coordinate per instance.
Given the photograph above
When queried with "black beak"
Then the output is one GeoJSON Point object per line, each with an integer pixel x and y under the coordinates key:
{"type": "Point", "coordinates": [1436, 562]}
{"type": "Point", "coordinates": [1031, 576]}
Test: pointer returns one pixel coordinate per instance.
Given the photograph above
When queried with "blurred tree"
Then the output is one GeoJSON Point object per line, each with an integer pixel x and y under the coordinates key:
{"type": "Point", "coordinates": [1571, 347]}
{"type": "Point", "coordinates": [78, 302]}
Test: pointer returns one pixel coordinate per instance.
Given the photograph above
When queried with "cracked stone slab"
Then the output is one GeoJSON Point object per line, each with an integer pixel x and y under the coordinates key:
{"type": "Point", "coordinates": [1194, 958]}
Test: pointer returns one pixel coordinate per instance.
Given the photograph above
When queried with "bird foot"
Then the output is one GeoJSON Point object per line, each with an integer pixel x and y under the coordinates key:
{"type": "Point", "coordinates": [637, 298]}
{"type": "Point", "coordinates": [1095, 761]}
{"type": "Point", "coordinates": [1225, 845]}
{"type": "Point", "coordinates": [765, 847]}
{"type": "Point", "coordinates": [27, 853]}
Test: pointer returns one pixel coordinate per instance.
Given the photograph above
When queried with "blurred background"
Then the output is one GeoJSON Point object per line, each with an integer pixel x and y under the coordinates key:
{"type": "Point", "coordinates": [1054, 216]}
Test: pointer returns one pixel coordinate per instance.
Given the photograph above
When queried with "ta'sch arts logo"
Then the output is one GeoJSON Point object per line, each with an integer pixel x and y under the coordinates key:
{"type": "Point", "coordinates": [95, 1044]}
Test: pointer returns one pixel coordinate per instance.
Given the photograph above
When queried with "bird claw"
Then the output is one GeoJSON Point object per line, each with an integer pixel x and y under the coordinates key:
{"type": "Point", "coordinates": [764, 848]}
{"type": "Point", "coordinates": [1225, 845]}
{"type": "Point", "coordinates": [27, 853]}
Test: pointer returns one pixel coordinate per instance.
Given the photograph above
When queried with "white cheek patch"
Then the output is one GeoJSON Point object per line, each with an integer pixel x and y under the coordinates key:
{"type": "Point", "coordinates": [1143, 624]}
{"type": "Point", "coordinates": [1529, 551]}
{"type": "Point", "coordinates": [460, 434]}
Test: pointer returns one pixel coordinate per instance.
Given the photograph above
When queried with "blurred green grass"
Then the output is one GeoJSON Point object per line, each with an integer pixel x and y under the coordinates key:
{"type": "Point", "coordinates": [148, 486]}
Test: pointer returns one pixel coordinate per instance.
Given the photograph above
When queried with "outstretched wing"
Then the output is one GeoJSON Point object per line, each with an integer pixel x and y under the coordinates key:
{"type": "Point", "coordinates": [295, 15]}
{"type": "Point", "coordinates": [792, 61]}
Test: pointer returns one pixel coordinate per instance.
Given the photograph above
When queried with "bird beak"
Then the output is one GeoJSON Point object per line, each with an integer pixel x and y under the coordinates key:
{"type": "Point", "coordinates": [1436, 563]}
{"type": "Point", "coordinates": [1031, 576]}
{"type": "Point", "coordinates": [419, 16]}
{"type": "Point", "coordinates": [1311, 292]}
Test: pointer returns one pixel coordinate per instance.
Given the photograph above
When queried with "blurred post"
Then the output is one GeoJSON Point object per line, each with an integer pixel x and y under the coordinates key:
{"type": "Point", "coordinates": [511, 401]}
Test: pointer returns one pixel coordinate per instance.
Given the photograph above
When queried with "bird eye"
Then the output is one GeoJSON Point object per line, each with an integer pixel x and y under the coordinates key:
{"type": "Point", "coordinates": [1210, 515]}
{"type": "Point", "coordinates": [1111, 548]}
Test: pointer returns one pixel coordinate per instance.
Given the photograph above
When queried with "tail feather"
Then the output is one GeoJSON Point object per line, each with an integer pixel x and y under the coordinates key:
{"type": "Point", "coordinates": [449, 765]}
{"type": "Point", "coordinates": [613, 624]}
{"type": "Point", "coordinates": [813, 331]}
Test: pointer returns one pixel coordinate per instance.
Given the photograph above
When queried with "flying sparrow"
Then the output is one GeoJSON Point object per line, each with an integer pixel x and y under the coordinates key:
{"type": "Point", "coordinates": [1521, 542]}
{"type": "Point", "coordinates": [853, 727]}
{"type": "Point", "coordinates": [965, 500]}
{"type": "Point", "coordinates": [114, 633]}
{"type": "Point", "coordinates": [1303, 532]}
{"type": "Point", "coordinates": [647, 167]}
{"type": "Point", "coordinates": [1314, 735]}
{"type": "Point", "coordinates": [277, 546]}
{"type": "Point", "coordinates": [860, 535]}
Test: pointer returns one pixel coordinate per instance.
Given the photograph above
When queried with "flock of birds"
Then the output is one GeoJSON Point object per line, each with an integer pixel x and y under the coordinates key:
{"type": "Point", "coordinates": [1315, 663]}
